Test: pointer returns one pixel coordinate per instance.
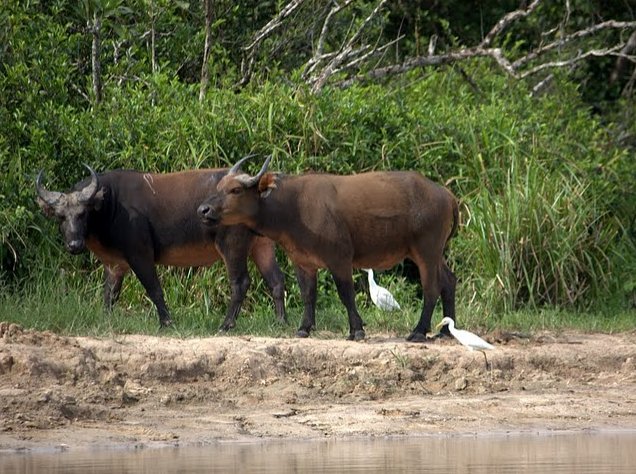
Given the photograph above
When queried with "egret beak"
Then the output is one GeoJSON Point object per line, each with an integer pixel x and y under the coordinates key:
{"type": "Point", "coordinates": [438, 327]}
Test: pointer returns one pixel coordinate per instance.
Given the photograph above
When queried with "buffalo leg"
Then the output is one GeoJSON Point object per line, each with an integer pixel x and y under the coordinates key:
{"type": "Point", "coordinates": [147, 274]}
{"type": "Point", "coordinates": [239, 284]}
{"type": "Point", "coordinates": [448, 284]}
{"type": "Point", "coordinates": [307, 283]}
{"type": "Point", "coordinates": [431, 292]}
{"type": "Point", "coordinates": [265, 260]}
{"type": "Point", "coordinates": [233, 244]}
{"type": "Point", "coordinates": [113, 279]}
{"type": "Point", "coordinates": [424, 324]}
{"type": "Point", "coordinates": [344, 284]}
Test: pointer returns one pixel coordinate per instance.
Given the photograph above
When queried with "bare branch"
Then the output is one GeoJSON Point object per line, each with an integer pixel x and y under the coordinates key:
{"type": "Point", "coordinates": [354, 54]}
{"type": "Point", "coordinates": [251, 50]}
{"type": "Point", "coordinates": [506, 21]}
{"type": "Point", "coordinates": [629, 87]}
{"type": "Point", "coordinates": [568, 62]}
{"type": "Point", "coordinates": [439, 60]}
{"type": "Point", "coordinates": [325, 26]}
{"type": "Point", "coordinates": [432, 42]}
{"type": "Point", "coordinates": [319, 55]}
{"type": "Point", "coordinates": [541, 85]}
{"type": "Point", "coordinates": [338, 62]}
{"type": "Point", "coordinates": [621, 62]}
{"type": "Point", "coordinates": [81, 92]}
{"type": "Point", "coordinates": [367, 20]}
{"type": "Point", "coordinates": [611, 24]}
{"type": "Point", "coordinates": [374, 52]}
{"type": "Point", "coordinates": [345, 52]}
{"type": "Point", "coordinates": [274, 23]}
{"type": "Point", "coordinates": [511, 68]}
{"type": "Point", "coordinates": [207, 47]}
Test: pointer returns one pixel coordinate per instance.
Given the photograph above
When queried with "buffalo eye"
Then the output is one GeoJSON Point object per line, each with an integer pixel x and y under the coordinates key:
{"type": "Point", "coordinates": [236, 190]}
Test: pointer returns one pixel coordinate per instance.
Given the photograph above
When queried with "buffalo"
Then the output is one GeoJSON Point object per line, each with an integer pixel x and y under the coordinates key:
{"type": "Point", "coordinates": [132, 221]}
{"type": "Point", "coordinates": [368, 220]}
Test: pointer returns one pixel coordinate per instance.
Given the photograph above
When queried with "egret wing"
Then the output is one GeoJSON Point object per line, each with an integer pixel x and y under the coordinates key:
{"type": "Point", "coordinates": [386, 300]}
{"type": "Point", "coordinates": [471, 340]}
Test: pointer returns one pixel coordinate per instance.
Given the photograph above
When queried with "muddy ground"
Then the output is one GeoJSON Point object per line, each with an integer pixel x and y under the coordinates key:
{"type": "Point", "coordinates": [58, 392]}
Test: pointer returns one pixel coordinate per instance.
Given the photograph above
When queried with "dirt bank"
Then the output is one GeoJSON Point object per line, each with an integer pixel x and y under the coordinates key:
{"type": "Point", "coordinates": [60, 391]}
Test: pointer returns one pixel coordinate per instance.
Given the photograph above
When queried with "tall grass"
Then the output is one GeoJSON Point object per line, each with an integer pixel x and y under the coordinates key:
{"type": "Point", "coordinates": [541, 239]}
{"type": "Point", "coordinates": [69, 308]}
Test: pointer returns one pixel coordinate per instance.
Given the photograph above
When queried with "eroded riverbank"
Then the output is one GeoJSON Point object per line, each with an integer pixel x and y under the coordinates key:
{"type": "Point", "coordinates": [126, 390]}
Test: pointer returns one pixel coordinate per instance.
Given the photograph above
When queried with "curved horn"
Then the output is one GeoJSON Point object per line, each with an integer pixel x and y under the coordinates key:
{"type": "Point", "coordinates": [234, 169]}
{"type": "Point", "coordinates": [89, 191]}
{"type": "Point", "coordinates": [255, 179]}
{"type": "Point", "coordinates": [49, 197]}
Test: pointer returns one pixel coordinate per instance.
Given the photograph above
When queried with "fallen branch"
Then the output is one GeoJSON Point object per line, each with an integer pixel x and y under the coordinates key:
{"type": "Point", "coordinates": [534, 54]}
{"type": "Point", "coordinates": [513, 68]}
{"type": "Point", "coordinates": [354, 54]}
{"type": "Point", "coordinates": [614, 51]}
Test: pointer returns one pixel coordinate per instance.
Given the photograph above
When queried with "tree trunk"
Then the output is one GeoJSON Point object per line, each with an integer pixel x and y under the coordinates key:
{"type": "Point", "coordinates": [95, 58]}
{"type": "Point", "coordinates": [153, 33]}
{"type": "Point", "coordinates": [205, 72]}
{"type": "Point", "coordinates": [622, 62]}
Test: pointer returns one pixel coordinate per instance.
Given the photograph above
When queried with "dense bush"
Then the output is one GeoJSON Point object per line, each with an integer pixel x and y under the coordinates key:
{"type": "Point", "coordinates": [547, 198]}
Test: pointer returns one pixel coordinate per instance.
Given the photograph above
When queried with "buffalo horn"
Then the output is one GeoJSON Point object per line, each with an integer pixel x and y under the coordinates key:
{"type": "Point", "coordinates": [255, 179]}
{"type": "Point", "coordinates": [49, 197]}
{"type": "Point", "coordinates": [89, 191]}
{"type": "Point", "coordinates": [234, 169]}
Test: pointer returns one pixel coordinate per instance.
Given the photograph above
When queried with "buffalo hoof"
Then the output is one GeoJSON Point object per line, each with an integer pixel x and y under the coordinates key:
{"type": "Point", "coordinates": [416, 337]}
{"type": "Point", "coordinates": [165, 323]}
{"type": "Point", "coordinates": [302, 333]}
{"type": "Point", "coordinates": [225, 327]}
{"type": "Point", "coordinates": [359, 335]}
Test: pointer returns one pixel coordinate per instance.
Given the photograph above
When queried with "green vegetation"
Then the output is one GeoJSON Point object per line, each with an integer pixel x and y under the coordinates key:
{"type": "Point", "coordinates": [65, 306]}
{"type": "Point", "coordinates": [547, 186]}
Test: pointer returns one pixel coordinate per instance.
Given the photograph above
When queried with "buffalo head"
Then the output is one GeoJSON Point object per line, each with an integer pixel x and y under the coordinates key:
{"type": "Point", "coordinates": [236, 198]}
{"type": "Point", "coordinates": [71, 209]}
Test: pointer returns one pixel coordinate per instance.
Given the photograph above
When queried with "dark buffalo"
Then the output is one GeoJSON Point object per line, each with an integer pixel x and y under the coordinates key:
{"type": "Point", "coordinates": [369, 220]}
{"type": "Point", "coordinates": [132, 221]}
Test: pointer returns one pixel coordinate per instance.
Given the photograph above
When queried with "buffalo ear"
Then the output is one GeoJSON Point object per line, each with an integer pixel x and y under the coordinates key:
{"type": "Point", "coordinates": [47, 209]}
{"type": "Point", "coordinates": [266, 184]}
{"type": "Point", "coordinates": [98, 199]}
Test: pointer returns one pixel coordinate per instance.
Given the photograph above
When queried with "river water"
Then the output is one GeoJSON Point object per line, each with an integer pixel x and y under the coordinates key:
{"type": "Point", "coordinates": [595, 452]}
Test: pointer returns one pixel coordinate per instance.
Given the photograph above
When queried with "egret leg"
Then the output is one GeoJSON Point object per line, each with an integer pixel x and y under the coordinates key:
{"type": "Point", "coordinates": [486, 359]}
{"type": "Point", "coordinates": [448, 282]}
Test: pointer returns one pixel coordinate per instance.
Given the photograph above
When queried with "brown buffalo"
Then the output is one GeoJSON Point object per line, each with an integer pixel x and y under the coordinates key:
{"type": "Point", "coordinates": [132, 221]}
{"type": "Point", "coordinates": [369, 220]}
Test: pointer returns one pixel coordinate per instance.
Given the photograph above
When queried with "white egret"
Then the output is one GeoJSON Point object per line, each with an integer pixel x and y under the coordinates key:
{"type": "Point", "coordinates": [380, 296]}
{"type": "Point", "coordinates": [467, 338]}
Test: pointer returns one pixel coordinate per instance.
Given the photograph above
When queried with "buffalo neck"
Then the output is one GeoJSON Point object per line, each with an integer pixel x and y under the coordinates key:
{"type": "Point", "coordinates": [279, 209]}
{"type": "Point", "coordinates": [100, 220]}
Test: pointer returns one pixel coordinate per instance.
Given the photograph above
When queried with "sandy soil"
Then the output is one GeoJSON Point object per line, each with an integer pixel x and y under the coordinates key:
{"type": "Point", "coordinates": [81, 392]}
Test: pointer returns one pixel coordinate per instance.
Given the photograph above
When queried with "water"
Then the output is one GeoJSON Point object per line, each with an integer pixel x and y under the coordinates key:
{"type": "Point", "coordinates": [594, 452]}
